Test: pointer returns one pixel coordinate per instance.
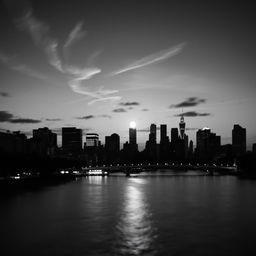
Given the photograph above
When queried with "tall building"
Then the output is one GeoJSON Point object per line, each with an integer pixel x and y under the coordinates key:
{"type": "Point", "coordinates": [133, 146]}
{"type": "Point", "coordinates": [164, 147]}
{"type": "Point", "coordinates": [46, 141]}
{"type": "Point", "coordinates": [163, 132]}
{"type": "Point", "coordinates": [92, 140]}
{"type": "Point", "coordinates": [152, 134]}
{"type": "Point", "coordinates": [132, 136]}
{"type": "Point", "coordinates": [238, 139]}
{"type": "Point", "coordinates": [151, 146]}
{"type": "Point", "coordinates": [174, 135]}
{"type": "Point", "coordinates": [208, 144]}
{"type": "Point", "coordinates": [71, 139]}
{"type": "Point", "coordinates": [182, 125]}
{"type": "Point", "coordinates": [112, 143]}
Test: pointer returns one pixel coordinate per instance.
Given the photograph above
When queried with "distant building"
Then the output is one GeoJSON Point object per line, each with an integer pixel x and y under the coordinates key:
{"type": "Point", "coordinates": [112, 143]}
{"type": "Point", "coordinates": [46, 141]}
{"type": "Point", "coordinates": [208, 144]}
{"type": "Point", "coordinates": [71, 139]}
{"type": "Point", "coordinates": [164, 147]}
{"type": "Point", "coordinates": [254, 148]}
{"type": "Point", "coordinates": [174, 135]}
{"type": "Point", "coordinates": [13, 143]}
{"type": "Point", "coordinates": [92, 140]}
{"type": "Point", "coordinates": [151, 145]}
{"type": "Point", "coordinates": [133, 140]}
{"type": "Point", "coordinates": [238, 139]}
{"type": "Point", "coordinates": [182, 125]}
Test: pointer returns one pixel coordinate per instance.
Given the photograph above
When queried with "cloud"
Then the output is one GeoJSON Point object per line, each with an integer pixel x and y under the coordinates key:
{"type": "Point", "coordinates": [152, 58]}
{"type": "Point", "coordinates": [86, 117]}
{"type": "Point", "coordinates": [13, 64]}
{"type": "Point", "coordinates": [24, 121]}
{"type": "Point", "coordinates": [145, 109]}
{"type": "Point", "coordinates": [189, 102]}
{"type": "Point", "coordinates": [53, 119]}
{"type": "Point", "coordinates": [133, 103]}
{"type": "Point", "coordinates": [5, 116]}
{"type": "Point", "coordinates": [105, 116]}
{"type": "Point", "coordinates": [193, 114]}
{"type": "Point", "coordinates": [119, 110]}
{"type": "Point", "coordinates": [76, 34]}
{"type": "Point", "coordinates": [4, 94]}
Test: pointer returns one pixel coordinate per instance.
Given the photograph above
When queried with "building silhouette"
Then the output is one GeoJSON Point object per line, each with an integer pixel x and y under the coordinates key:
{"type": "Point", "coordinates": [238, 140]}
{"type": "Point", "coordinates": [151, 144]}
{"type": "Point", "coordinates": [112, 148]}
{"type": "Point", "coordinates": [164, 147]}
{"type": "Point", "coordinates": [71, 139]}
{"type": "Point", "coordinates": [182, 126]}
{"type": "Point", "coordinates": [208, 144]}
{"type": "Point", "coordinates": [133, 146]}
{"type": "Point", "coordinates": [46, 141]}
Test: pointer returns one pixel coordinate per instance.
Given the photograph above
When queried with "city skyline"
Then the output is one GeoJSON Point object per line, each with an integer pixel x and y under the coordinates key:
{"type": "Point", "coordinates": [85, 64]}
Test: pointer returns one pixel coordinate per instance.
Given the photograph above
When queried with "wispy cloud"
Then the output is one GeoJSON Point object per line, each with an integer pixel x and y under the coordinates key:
{"type": "Point", "coordinates": [25, 121]}
{"type": "Point", "coordinates": [152, 58]}
{"type": "Point", "coordinates": [4, 94]}
{"type": "Point", "coordinates": [189, 102]}
{"type": "Point", "coordinates": [193, 114]}
{"type": "Point", "coordinates": [76, 34]}
{"type": "Point", "coordinates": [86, 117]}
{"type": "Point", "coordinates": [105, 116]}
{"type": "Point", "coordinates": [13, 64]}
{"type": "Point", "coordinates": [145, 109]}
{"type": "Point", "coordinates": [119, 110]}
{"type": "Point", "coordinates": [5, 116]}
{"type": "Point", "coordinates": [53, 119]}
{"type": "Point", "coordinates": [129, 103]}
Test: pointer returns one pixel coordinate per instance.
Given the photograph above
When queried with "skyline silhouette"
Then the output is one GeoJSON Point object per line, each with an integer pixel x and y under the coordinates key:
{"type": "Point", "coordinates": [85, 64]}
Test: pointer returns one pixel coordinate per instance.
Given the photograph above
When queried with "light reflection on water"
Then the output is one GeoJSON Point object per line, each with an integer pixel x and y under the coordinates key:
{"type": "Point", "coordinates": [134, 227]}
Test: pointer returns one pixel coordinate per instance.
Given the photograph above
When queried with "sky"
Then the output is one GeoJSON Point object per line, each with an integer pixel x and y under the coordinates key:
{"type": "Point", "coordinates": [98, 65]}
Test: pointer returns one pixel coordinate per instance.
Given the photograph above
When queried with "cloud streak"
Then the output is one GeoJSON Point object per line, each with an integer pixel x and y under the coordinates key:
{"type": "Point", "coordinates": [127, 104]}
{"type": "Point", "coordinates": [119, 110]}
{"type": "Point", "coordinates": [13, 64]}
{"type": "Point", "coordinates": [4, 94]}
{"type": "Point", "coordinates": [189, 102]}
{"type": "Point", "coordinates": [152, 58]}
{"type": "Point", "coordinates": [193, 114]}
{"type": "Point", "coordinates": [5, 116]}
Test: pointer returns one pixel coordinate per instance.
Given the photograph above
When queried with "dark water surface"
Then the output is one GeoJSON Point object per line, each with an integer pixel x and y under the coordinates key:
{"type": "Point", "coordinates": [145, 215]}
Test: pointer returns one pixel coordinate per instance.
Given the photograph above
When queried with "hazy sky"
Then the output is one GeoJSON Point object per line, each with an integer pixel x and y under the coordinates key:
{"type": "Point", "coordinates": [98, 65]}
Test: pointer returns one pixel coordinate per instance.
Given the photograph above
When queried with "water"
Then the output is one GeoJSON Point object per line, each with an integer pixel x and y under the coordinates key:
{"type": "Point", "coordinates": [147, 215]}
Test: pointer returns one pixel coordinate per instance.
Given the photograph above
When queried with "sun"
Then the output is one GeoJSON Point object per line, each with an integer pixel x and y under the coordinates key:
{"type": "Point", "coordinates": [132, 125]}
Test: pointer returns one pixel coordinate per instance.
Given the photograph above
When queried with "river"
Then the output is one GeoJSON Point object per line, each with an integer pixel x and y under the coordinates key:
{"type": "Point", "coordinates": [152, 214]}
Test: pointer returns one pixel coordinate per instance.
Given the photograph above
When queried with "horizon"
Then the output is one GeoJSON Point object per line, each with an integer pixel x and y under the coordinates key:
{"type": "Point", "coordinates": [100, 65]}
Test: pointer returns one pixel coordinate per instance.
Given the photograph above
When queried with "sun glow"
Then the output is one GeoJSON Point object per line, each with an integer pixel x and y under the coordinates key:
{"type": "Point", "coordinates": [132, 125]}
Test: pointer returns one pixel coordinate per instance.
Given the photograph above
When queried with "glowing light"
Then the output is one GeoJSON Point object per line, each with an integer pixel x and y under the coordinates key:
{"type": "Point", "coordinates": [132, 125]}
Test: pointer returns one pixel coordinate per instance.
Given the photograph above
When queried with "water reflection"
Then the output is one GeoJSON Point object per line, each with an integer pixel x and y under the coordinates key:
{"type": "Point", "coordinates": [135, 231]}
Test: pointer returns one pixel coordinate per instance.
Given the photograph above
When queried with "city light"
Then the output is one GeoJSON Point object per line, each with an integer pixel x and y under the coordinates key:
{"type": "Point", "coordinates": [132, 124]}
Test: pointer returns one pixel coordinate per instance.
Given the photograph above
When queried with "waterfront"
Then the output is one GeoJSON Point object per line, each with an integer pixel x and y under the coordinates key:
{"type": "Point", "coordinates": [170, 213]}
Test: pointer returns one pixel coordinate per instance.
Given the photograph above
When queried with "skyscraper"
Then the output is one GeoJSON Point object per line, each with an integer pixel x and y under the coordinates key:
{"type": "Point", "coordinates": [208, 143]}
{"type": "Point", "coordinates": [133, 140]}
{"type": "Point", "coordinates": [238, 139]}
{"type": "Point", "coordinates": [163, 133]}
{"type": "Point", "coordinates": [132, 136]}
{"type": "Point", "coordinates": [112, 143]}
{"type": "Point", "coordinates": [71, 139]}
{"type": "Point", "coordinates": [92, 140]}
{"type": "Point", "coordinates": [182, 125]}
{"type": "Point", "coordinates": [46, 140]}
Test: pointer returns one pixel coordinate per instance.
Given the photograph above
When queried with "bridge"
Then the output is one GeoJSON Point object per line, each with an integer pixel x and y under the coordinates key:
{"type": "Point", "coordinates": [129, 169]}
